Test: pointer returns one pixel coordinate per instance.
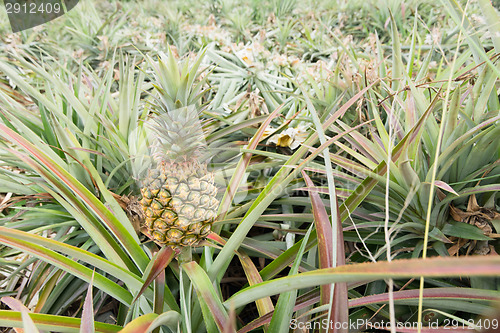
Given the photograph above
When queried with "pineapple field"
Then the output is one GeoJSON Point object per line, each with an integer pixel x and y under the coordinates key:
{"type": "Point", "coordinates": [252, 166]}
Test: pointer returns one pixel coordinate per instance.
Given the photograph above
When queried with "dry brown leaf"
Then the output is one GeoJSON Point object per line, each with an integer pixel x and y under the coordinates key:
{"type": "Point", "coordinates": [476, 215]}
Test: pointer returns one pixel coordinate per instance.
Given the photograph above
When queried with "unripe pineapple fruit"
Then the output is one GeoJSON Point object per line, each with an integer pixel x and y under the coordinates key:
{"type": "Point", "coordinates": [179, 203]}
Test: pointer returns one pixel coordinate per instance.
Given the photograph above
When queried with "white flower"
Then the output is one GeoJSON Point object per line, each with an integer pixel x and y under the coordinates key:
{"type": "Point", "coordinates": [291, 137]}
{"type": "Point", "coordinates": [436, 35]}
{"type": "Point", "coordinates": [246, 54]}
{"type": "Point", "coordinates": [428, 39]}
{"type": "Point", "coordinates": [294, 61]}
{"type": "Point", "coordinates": [251, 53]}
{"type": "Point", "coordinates": [280, 60]}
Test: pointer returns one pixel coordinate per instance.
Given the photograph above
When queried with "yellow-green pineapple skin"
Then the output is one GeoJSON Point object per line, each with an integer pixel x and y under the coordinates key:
{"type": "Point", "coordinates": [179, 203]}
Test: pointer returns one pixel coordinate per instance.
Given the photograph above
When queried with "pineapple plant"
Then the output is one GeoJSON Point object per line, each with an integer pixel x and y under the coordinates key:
{"type": "Point", "coordinates": [178, 193]}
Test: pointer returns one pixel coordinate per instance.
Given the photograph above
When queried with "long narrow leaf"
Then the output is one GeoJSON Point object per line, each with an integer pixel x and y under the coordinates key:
{"type": "Point", "coordinates": [205, 290]}
{"type": "Point", "coordinates": [157, 265]}
{"type": "Point", "coordinates": [69, 266]}
{"type": "Point", "coordinates": [282, 316]}
{"type": "Point", "coordinates": [52, 323]}
{"type": "Point", "coordinates": [433, 267]}
{"type": "Point", "coordinates": [88, 311]}
{"type": "Point", "coordinates": [265, 304]}
{"type": "Point", "coordinates": [132, 280]}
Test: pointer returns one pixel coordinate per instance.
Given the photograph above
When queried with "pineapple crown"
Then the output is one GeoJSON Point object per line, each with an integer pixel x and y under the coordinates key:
{"type": "Point", "coordinates": [177, 129]}
{"type": "Point", "coordinates": [178, 136]}
{"type": "Point", "coordinates": [175, 81]}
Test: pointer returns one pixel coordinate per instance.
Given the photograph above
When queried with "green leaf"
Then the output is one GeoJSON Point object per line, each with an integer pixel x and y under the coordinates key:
{"type": "Point", "coordinates": [464, 230]}
{"type": "Point", "coordinates": [493, 22]}
{"type": "Point", "coordinates": [339, 307]}
{"type": "Point", "coordinates": [280, 322]}
{"type": "Point", "coordinates": [209, 297]}
{"type": "Point", "coordinates": [112, 250]}
{"type": "Point", "coordinates": [141, 324]}
{"type": "Point", "coordinates": [130, 279]}
{"type": "Point", "coordinates": [397, 64]}
{"type": "Point", "coordinates": [67, 265]}
{"type": "Point", "coordinates": [171, 319]}
{"type": "Point", "coordinates": [52, 323]}
{"type": "Point", "coordinates": [355, 199]}
{"type": "Point", "coordinates": [243, 164]}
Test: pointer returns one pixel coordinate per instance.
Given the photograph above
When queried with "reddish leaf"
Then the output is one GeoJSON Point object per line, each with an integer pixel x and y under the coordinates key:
{"type": "Point", "coordinates": [87, 325]}
{"type": "Point", "coordinates": [312, 298]}
{"type": "Point", "coordinates": [207, 294]}
{"type": "Point", "coordinates": [264, 305]}
{"type": "Point", "coordinates": [340, 308]}
{"type": "Point", "coordinates": [444, 186]}
{"type": "Point", "coordinates": [15, 304]}
{"type": "Point", "coordinates": [396, 269]}
{"type": "Point", "coordinates": [86, 196]}
{"type": "Point", "coordinates": [159, 292]}
{"type": "Point", "coordinates": [324, 234]}
{"type": "Point", "coordinates": [52, 323]}
{"type": "Point", "coordinates": [216, 238]}
{"type": "Point", "coordinates": [230, 326]}
{"type": "Point", "coordinates": [361, 191]}
{"type": "Point", "coordinates": [157, 265]}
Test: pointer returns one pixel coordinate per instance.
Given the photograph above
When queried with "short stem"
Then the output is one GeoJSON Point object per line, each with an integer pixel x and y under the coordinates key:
{"type": "Point", "coordinates": [185, 255]}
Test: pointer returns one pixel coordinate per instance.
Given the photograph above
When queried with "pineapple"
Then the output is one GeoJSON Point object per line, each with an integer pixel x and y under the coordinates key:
{"type": "Point", "coordinates": [178, 193]}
